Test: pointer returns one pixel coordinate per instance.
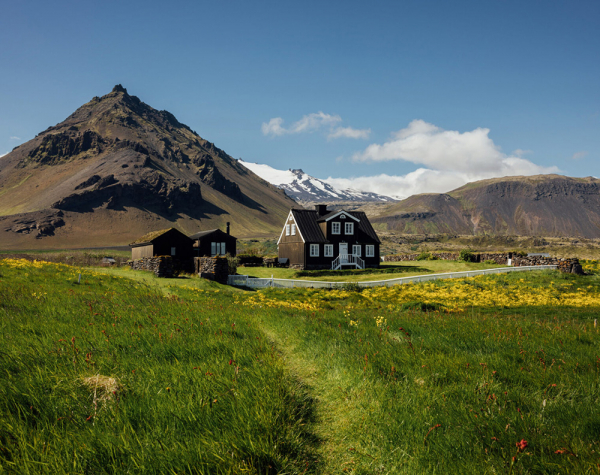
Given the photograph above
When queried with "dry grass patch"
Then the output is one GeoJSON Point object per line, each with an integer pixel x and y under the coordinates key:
{"type": "Point", "coordinates": [105, 388]}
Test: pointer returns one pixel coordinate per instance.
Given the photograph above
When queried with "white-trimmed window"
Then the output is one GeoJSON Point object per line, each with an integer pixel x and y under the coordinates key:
{"type": "Point", "coordinates": [336, 228]}
{"type": "Point", "coordinates": [217, 248]}
{"type": "Point", "coordinates": [349, 228]}
{"type": "Point", "coordinates": [293, 229]}
{"type": "Point", "coordinates": [370, 250]}
{"type": "Point", "coordinates": [328, 251]}
{"type": "Point", "coordinates": [314, 250]}
{"type": "Point", "coordinates": [356, 250]}
{"type": "Point", "coordinates": [287, 229]}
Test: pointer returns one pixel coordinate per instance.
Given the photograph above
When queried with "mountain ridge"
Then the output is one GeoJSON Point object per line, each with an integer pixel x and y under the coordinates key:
{"type": "Point", "coordinates": [539, 205]}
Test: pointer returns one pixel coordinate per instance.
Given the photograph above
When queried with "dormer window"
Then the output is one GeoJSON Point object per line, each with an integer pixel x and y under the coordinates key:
{"type": "Point", "coordinates": [336, 228]}
{"type": "Point", "coordinates": [349, 228]}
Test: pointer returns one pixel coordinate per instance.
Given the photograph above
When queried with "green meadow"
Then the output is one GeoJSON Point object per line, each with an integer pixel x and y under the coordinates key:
{"type": "Point", "coordinates": [126, 373]}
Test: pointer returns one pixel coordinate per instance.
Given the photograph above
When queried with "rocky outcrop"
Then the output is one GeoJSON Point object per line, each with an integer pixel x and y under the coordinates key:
{"type": "Point", "coordinates": [39, 224]}
{"type": "Point", "coordinates": [152, 192]}
{"type": "Point", "coordinates": [63, 146]}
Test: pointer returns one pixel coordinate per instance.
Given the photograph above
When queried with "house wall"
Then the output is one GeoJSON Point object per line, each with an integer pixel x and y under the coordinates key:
{"type": "Point", "coordinates": [294, 251]}
{"type": "Point", "coordinates": [142, 251]}
{"type": "Point", "coordinates": [217, 236]}
{"type": "Point", "coordinates": [292, 246]}
{"type": "Point", "coordinates": [181, 243]}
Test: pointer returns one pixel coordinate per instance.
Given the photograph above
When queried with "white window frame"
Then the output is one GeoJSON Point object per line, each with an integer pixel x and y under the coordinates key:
{"type": "Point", "coordinates": [356, 247]}
{"type": "Point", "coordinates": [335, 225]}
{"type": "Point", "coordinates": [314, 250]}
{"type": "Point", "coordinates": [287, 229]}
{"type": "Point", "coordinates": [293, 227]}
{"type": "Point", "coordinates": [223, 251]}
{"type": "Point", "coordinates": [370, 250]}
{"type": "Point", "coordinates": [213, 249]}
{"type": "Point", "coordinates": [328, 250]}
{"type": "Point", "coordinates": [349, 228]}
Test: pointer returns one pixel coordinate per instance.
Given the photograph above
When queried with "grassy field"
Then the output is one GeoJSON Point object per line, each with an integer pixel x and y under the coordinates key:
{"type": "Point", "coordinates": [391, 270]}
{"type": "Point", "coordinates": [126, 373]}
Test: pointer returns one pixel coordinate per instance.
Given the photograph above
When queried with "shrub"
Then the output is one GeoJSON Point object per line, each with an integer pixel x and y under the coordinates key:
{"type": "Point", "coordinates": [424, 256]}
{"type": "Point", "coordinates": [490, 262]}
{"type": "Point", "coordinates": [467, 255]}
{"type": "Point", "coordinates": [232, 264]}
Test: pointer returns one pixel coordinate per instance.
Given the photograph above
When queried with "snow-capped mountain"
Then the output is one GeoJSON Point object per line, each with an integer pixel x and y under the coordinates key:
{"type": "Point", "coordinates": [306, 188]}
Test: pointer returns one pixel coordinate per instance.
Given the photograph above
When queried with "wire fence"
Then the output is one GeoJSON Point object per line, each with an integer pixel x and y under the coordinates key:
{"type": "Point", "coordinates": [261, 283]}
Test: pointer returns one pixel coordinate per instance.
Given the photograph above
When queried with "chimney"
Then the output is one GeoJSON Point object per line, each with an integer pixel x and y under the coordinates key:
{"type": "Point", "coordinates": [228, 227]}
{"type": "Point", "coordinates": [321, 209]}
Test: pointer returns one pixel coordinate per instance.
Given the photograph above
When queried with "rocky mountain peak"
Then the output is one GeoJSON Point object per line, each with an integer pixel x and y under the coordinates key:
{"type": "Point", "coordinates": [119, 88]}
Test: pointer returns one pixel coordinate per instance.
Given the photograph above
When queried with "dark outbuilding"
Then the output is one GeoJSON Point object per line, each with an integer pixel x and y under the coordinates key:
{"type": "Point", "coordinates": [166, 242]}
{"type": "Point", "coordinates": [214, 242]}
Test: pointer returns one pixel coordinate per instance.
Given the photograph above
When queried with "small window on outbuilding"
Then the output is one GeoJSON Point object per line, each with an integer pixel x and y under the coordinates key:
{"type": "Point", "coordinates": [173, 251]}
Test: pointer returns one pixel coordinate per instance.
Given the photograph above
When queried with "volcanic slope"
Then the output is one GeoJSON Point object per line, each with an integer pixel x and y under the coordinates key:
{"type": "Point", "coordinates": [542, 205]}
{"type": "Point", "coordinates": [116, 169]}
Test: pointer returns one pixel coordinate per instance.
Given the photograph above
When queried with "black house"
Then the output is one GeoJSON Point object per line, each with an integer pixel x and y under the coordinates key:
{"type": "Point", "coordinates": [166, 242]}
{"type": "Point", "coordinates": [320, 239]}
{"type": "Point", "coordinates": [214, 242]}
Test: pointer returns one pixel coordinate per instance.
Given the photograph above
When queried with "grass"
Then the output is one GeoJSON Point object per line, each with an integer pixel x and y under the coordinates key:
{"type": "Point", "coordinates": [406, 269]}
{"type": "Point", "coordinates": [129, 373]}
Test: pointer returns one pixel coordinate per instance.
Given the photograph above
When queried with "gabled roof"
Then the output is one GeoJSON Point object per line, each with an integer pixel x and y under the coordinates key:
{"type": "Point", "coordinates": [148, 238]}
{"type": "Point", "coordinates": [208, 232]}
{"type": "Point", "coordinates": [333, 214]}
{"type": "Point", "coordinates": [365, 225]}
{"type": "Point", "coordinates": [306, 220]}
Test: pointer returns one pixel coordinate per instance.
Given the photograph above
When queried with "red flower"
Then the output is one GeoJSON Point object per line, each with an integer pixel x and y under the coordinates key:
{"type": "Point", "coordinates": [522, 445]}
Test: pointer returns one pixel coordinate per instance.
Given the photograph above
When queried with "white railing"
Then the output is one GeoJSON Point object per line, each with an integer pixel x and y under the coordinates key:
{"type": "Point", "coordinates": [257, 283]}
{"type": "Point", "coordinates": [347, 259]}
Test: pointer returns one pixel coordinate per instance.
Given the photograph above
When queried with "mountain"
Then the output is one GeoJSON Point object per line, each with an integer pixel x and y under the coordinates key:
{"type": "Point", "coordinates": [542, 205]}
{"type": "Point", "coordinates": [116, 169]}
{"type": "Point", "coordinates": [308, 189]}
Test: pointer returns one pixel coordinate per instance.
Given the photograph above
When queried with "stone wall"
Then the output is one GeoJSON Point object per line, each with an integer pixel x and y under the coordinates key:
{"type": "Point", "coordinates": [162, 266]}
{"type": "Point", "coordinates": [213, 268]}
{"type": "Point", "coordinates": [570, 266]}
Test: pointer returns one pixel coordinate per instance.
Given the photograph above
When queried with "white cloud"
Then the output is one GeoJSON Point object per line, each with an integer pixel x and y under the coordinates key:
{"type": "Point", "coordinates": [308, 123]}
{"type": "Point", "coordinates": [312, 123]}
{"type": "Point", "coordinates": [448, 159]}
{"type": "Point", "coordinates": [349, 132]}
{"type": "Point", "coordinates": [15, 138]}
{"type": "Point", "coordinates": [579, 155]}
{"type": "Point", "coordinates": [273, 127]}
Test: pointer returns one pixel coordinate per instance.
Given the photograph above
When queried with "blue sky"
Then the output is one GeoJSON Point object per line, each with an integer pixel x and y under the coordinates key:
{"type": "Point", "coordinates": [404, 96]}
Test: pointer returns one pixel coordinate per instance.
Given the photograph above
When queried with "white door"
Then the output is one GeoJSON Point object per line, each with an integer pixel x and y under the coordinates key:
{"type": "Point", "coordinates": [343, 253]}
